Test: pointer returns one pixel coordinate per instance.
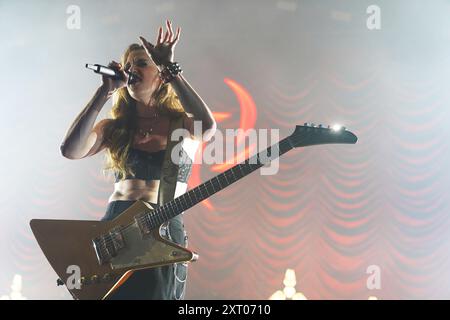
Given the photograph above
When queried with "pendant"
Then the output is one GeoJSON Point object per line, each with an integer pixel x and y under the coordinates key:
{"type": "Point", "coordinates": [147, 133]}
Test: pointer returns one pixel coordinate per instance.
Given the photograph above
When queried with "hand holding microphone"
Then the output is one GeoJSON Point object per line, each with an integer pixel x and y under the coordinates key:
{"type": "Point", "coordinates": [113, 76]}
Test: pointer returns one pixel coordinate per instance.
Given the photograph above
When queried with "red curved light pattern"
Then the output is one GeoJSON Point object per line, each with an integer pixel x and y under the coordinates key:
{"type": "Point", "coordinates": [247, 121]}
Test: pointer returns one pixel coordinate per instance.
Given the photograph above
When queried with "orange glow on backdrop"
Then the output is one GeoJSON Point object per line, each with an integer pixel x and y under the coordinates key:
{"type": "Point", "coordinates": [247, 121]}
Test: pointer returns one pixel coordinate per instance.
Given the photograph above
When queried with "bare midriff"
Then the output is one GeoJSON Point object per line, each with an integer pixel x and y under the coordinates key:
{"type": "Point", "coordinates": [136, 189]}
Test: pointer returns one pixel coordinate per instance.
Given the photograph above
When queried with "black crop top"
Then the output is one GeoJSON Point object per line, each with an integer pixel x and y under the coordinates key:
{"type": "Point", "coordinates": [147, 165]}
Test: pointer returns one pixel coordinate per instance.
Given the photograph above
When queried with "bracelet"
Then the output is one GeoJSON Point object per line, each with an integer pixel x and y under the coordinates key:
{"type": "Point", "coordinates": [170, 71]}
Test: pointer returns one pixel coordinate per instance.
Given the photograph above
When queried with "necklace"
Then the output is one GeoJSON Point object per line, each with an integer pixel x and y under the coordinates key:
{"type": "Point", "coordinates": [146, 133]}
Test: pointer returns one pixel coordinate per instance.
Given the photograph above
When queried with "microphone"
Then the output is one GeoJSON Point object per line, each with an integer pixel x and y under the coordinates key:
{"type": "Point", "coordinates": [106, 71]}
{"type": "Point", "coordinates": [116, 75]}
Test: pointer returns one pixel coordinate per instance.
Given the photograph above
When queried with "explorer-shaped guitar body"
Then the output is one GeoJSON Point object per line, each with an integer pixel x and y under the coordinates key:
{"type": "Point", "coordinates": [93, 258]}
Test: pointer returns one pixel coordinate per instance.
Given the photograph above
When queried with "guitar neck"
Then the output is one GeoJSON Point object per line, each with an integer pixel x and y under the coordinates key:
{"type": "Point", "coordinates": [189, 199]}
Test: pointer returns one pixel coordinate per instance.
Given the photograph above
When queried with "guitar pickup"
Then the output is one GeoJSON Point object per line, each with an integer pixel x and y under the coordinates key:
{"type": "Point", "coordinates": [102, 253]}
{"type": "Point", "coordinates": [106, 246]}
{"type": "Point", "coordinates": [117, 238]}
{"type": "Point", "coordinates": [144, 223]}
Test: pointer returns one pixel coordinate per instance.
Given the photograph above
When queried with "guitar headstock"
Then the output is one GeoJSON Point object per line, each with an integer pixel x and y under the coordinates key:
{"type": "Point", "coordinates": [310, 135]}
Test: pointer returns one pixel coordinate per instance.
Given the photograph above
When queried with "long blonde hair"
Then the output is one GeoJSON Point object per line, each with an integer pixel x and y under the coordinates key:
{"type": "Point", "coordinates": [119, 133]}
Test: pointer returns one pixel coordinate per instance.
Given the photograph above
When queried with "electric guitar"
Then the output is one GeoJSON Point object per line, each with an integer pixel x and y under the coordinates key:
{"type": "Point", "coordinates": [94, 258]}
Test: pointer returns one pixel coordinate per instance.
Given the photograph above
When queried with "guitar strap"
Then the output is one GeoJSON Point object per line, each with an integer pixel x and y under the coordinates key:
{"type": "Point", "coordinates": [169, 170]}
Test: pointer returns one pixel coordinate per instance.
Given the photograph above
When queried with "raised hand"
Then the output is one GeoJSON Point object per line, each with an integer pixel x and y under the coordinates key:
{"type": "Point", "coordinates": [163, 52]}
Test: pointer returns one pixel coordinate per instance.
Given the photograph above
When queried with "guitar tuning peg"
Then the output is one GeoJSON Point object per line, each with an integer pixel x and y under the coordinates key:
{"type": "Point", "coordinates": [320, 125]}
{"type": "Point", "coordinates": [305, 124]}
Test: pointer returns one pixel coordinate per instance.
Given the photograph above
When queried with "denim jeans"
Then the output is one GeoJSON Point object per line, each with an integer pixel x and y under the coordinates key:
{"type": "Point", "coordinates": [160, 283]}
